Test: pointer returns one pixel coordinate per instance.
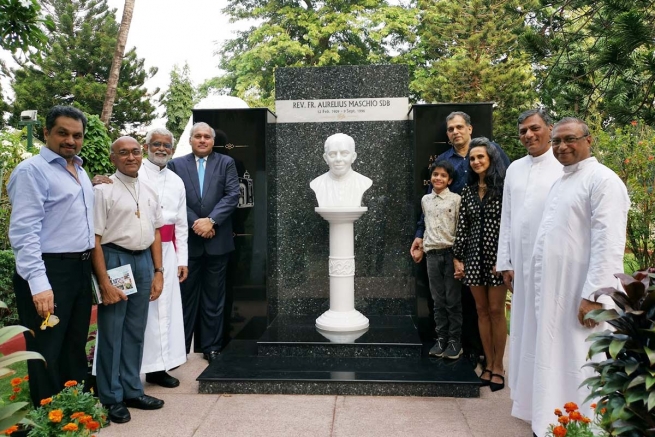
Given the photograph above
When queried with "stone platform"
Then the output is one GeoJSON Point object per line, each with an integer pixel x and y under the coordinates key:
{"type": "Point", "coordinates": [291, 357]}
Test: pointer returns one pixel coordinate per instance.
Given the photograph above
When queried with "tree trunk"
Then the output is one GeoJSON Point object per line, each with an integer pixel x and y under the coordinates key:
{"type": "Point", "coordinates": [112, 83]}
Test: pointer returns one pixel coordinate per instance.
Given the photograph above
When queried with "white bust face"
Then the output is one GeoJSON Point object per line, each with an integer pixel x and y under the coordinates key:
{"type": "Point", "coordinates": [339, 154]}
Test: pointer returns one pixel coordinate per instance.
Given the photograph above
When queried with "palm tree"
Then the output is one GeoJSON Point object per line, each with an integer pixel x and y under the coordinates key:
{"type": "Point", "coordinates": [112, 83]}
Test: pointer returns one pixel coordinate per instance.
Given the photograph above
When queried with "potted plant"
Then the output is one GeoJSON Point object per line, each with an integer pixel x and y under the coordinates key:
{"type": "Point", "coordinates": [624, 382]}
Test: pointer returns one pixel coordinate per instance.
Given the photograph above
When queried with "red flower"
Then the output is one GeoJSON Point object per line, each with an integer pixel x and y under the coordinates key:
{"type": "Point", "coordinates": [16, 381]}
{"type": "Point", "coordinates": [570, 406]}
{"type": "Point", "coordinates": [558, 412]}
{"type": "Point", "coordinates": [46, 401]}
{"type": "Point", "coordinates": [92, 425]}
{"type": "Point", "coordinates": [10, 430]}
{"type": "Point", "coordinates": [12, 397]}
{"type": "Point", "coordinates": [633, 122]}
{"type": "Point", "coordinates": [593, 405]}
{"type": "Point", "coordinates": [69, 427]}
{"type": "Point", "coordinates": [70, 383]}
{"type": "Point", "coordinates": [559, 431]}
{"type": "Point", "coordinates": [563, 420]}
{"type": "Point", "coordinates": [575, 415]}
{"type": "Point", "coordinates": [16, 389]}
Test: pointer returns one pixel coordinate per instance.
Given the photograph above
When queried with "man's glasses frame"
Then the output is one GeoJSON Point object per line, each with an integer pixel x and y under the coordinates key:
{"type": "Point", "coordinates": [556, 142]}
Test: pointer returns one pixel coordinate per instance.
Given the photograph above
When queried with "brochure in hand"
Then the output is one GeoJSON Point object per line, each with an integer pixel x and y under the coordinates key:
{"type": "Point", "coordinates": [120, 277]}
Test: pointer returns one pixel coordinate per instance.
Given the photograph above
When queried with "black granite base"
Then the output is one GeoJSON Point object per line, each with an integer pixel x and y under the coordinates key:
{"type": "Point", "coordinates": [387, 336]}
{"type": "Point", "coordinates": [240, 370]}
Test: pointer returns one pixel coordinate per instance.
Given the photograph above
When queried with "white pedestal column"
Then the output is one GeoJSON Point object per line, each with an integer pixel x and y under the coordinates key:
{"type": "Point", "coordinates": [342, 315]}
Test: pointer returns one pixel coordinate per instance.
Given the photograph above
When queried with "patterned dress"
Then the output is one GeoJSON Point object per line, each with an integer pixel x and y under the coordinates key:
{"type": "Point", "coordinates": [476, 243]}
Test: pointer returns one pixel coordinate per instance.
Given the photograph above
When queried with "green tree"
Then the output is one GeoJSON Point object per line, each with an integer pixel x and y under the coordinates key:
{"type": "Point", "coordinates": [303, 33]}
{"type": "Point", "coordinates": [178, 101]}
{"type": "Point", "coordinates": [74, 66]}
{"type": "Point", "coordinates": [20, 25]}
{"type": "Point", "coordinates": [468, 51]}
{"type": "Point", "coordinates": [595, 57]}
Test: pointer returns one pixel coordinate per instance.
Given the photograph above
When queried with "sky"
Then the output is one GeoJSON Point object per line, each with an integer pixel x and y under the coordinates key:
{"type": "Point", "coordinates": [166, 33]}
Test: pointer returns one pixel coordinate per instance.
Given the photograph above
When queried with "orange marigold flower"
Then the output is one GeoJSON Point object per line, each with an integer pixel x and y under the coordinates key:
{"type": "Point", "coordinates": [16, 381]}
{"type": "Point", "coordinates": [563, 420]}
{"type": "Point", "coordinates": [575, 415]}
{"type": "Point", "coordinates": [85, 419]}
{"type": "Point", "coordinates": [78, 414]}
{"type": "Point", "coordinates": [69, 427]}
{"type": "Point", "coordinates": [570, 406]}
{"type": "Point", "coordinates": [92, 425]}
{"type": "Point", "coordinates": [46, 401]}
{"type": "Point", "coordinates": [558, 412]}
{"type": "Point", "coordinates": [633, 122]}
{"type": "Point", "coordinates": [27, 377]}
{"type": "Point", "coordinates": [559, 431]}
{"type": "Point", "coordinates": [12, 397]}
{"type": "Point", "coordinates": [16, 389]}
{"type": "Point", "coordinates": [70, 383]}
{"type": "Point", "coordinates": [593, 405]}
{"type": "Point", "coordinates": [585, 419]}
{"type": "Point", "coordinates": [603, 410]}
{"type": "Point", "coordinates": [626, 161]}
{"type": "Point", "coordinates": [55, 416]}
{"type": "Point", "coordinates": [9, 431]}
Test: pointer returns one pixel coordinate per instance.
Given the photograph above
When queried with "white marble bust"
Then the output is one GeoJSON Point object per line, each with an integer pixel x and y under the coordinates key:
{"type": "Point", "coordinates": [341, 186]}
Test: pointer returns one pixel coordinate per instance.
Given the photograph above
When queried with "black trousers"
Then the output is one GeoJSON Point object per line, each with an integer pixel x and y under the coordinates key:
{"type": "Point", "coordinates": [446, 294]}
{"type": "Point", "coordinates": [203, 302]}
{"type": "Point", "coordinates": [62, 346]}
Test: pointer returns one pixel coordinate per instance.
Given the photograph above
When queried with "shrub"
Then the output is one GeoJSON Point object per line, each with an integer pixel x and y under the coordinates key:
{"type": "Point", "coordinates": [9, 315]}
{"type": "Point", "coordinates": [95, 151]}
{"type": "Point", "coordinates": [630, 152]}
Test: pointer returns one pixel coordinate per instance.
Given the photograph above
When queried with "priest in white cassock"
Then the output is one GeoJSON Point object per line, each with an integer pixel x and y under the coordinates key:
{"type": "Point", "coordinates": [527, 183]}
{"type": "Point", "coordinates": [164, 346]}
{"type": "Point", "coordinates": [579, 246]}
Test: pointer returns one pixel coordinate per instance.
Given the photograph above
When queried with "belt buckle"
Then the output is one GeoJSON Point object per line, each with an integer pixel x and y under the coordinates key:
{"type": "Point", "coordinates": [86, 255]}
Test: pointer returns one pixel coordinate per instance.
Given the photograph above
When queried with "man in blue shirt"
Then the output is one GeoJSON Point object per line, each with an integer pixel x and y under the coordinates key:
{"type": "Point", "coordinates": [458, 130]}
{"type": "Point", "coordinates": [51, 232]}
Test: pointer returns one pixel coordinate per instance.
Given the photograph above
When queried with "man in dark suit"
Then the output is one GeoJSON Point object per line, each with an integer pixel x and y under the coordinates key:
{"type": "Point", "coordinates": [212, 194]}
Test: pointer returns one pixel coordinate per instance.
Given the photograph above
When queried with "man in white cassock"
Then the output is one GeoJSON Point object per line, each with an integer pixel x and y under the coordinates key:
{"type": "Point", "coordinates": [527, 183]}
{"type": "Point", "coordinates": [164, 346]}
{"type": "Point", "coordinates": [341, 186]}
{"type": "Point", "coordinates": [579, 247]}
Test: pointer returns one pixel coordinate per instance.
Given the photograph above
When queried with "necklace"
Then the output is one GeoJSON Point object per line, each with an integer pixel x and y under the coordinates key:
{"type": "Point", "coordinates": [136, 198]}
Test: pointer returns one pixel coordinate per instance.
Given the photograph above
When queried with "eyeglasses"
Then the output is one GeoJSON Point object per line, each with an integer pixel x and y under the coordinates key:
{"type": "Point", "coordinates": [158, 144]}
{"type": "Point", "coordinates": [126, 153]}
{"type": "Point", "coordinates": [568, 140]}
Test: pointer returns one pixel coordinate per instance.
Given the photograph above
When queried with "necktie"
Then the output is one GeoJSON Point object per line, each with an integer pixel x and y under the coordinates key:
{"type": "Point", "coordinates": [201, 173]}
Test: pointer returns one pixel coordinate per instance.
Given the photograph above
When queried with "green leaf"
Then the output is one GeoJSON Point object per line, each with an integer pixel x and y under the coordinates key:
{"type": "Point", "coordinates": [12, 414]}
{"type": "Point", "coordinates": [651, 355]}
{"type": "Point", "coordinates": [650, 381]}
{"type": "Point", "coordinates": [641, 379]}
{"type": "Point", "coordinates": [615, 347]}
{"type": "Point", "coordinates": [19, 356]}
{"type": "Point", "coordinates": [602, 315]}
{"type": "Point", "coordinates": [651, 401]}
{"type": "Point", "coordinates": [9, 332]}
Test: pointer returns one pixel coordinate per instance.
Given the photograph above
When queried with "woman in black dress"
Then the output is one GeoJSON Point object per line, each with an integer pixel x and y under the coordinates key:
{"type": "Point", "coordinates": [475, 253]}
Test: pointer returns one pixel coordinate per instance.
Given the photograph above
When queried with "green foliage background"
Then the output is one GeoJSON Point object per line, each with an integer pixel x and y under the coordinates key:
{"type": "Point", "coordinates": [178, 100]}
{"type": "Point", "coordinates": [96, 148]}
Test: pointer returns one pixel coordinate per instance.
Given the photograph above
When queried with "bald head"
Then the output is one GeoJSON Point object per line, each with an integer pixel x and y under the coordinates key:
{"type": "Point", "coordinates": [126, 156]}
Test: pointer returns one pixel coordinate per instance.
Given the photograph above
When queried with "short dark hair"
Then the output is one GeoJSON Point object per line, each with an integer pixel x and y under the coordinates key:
{"type": "Point", "coordinates": [541, 112]}
{"type": "Point", "coordinates": [495, 175]}
{"type": "Point", "coordinates": [464, 115]}
{"type": "Point", "coordinates": [446, 165]}
{"type": "Point", "coordinates": [64, 111]}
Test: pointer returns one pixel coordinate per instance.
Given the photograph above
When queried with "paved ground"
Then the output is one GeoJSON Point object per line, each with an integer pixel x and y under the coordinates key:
{"type": "Point", "coordinates": [188, 413]}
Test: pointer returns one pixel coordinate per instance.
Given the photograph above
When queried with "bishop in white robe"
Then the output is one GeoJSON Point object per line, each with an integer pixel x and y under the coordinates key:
{"type": "Point", "coordinates": [164, 346]}
{"type": "Point", "coordinates": [527, 183]}
{"type": "Point", "coordinates": [579, 247]}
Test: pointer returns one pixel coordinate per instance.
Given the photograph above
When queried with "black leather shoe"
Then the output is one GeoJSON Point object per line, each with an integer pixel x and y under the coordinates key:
{"type": "Point", "coordinates": [211, 356]}
{"type": "Point", "coordinates": [163, 379]}
{"type": "Point", "coordinates": [118, 413]}
{"type": "Point", "coordinates": [145, 402]}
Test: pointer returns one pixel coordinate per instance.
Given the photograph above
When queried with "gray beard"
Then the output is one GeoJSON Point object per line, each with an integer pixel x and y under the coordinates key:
{"type": "Point", "coordinates": [158, 161]}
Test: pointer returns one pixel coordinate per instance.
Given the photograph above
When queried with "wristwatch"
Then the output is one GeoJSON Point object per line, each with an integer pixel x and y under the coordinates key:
{"type": "Point", "coordinates": [160, 270]}
{"type": "Point", "coordinates": [211, 220]}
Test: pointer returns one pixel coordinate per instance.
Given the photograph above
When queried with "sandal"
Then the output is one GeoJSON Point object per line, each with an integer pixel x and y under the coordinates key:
{"type": "Point", "coordinates": [485, 382]}
{"type": "Point", "coordinates": [495, 386]}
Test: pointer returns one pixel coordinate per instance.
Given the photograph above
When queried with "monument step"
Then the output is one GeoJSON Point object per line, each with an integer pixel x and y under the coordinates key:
{"type": "Point", "coordinates": [240, 370]}
{"type": "Point", "coordinates": [387, 336]}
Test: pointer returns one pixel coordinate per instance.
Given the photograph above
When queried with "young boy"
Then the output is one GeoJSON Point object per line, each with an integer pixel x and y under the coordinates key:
{"type": "Point", "coordinates": [441, 210]}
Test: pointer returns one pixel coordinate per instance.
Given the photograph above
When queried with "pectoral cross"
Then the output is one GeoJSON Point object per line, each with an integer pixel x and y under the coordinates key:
{"type": "Point", "coordinates": [137, 213]}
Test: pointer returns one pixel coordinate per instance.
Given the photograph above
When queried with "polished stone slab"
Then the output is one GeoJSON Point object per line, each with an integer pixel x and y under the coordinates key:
{"type": "Point", "coordinates": [387, 336]}
{"type": "Point", "coordinates": [240, 370]}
